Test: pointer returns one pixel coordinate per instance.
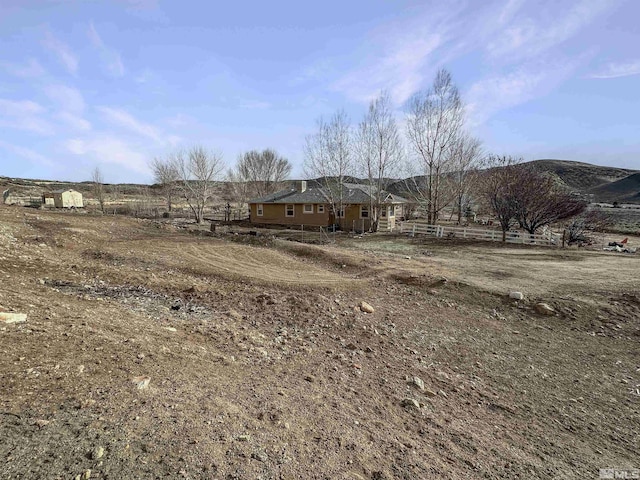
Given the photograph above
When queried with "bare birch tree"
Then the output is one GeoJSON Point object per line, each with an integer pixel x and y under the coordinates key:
{"type": "Point", "coordinates": [328, 156]}
{"type": "Point", "coordinates": [379, 149]}
{"type": "Point", "coordinates": [466, 160]}
{"type": "Point", "coordinates": [98, 187]}
{"type": "Point", "coordinates": [166, 175]}
{"type": "Point", "coordinates": [198, 169]}
{"type": "Point", "coordinates": [434, 121]}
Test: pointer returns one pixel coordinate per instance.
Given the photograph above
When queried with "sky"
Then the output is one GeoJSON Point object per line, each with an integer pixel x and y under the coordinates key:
{"type": "Point", "coordinates": [114, 84]}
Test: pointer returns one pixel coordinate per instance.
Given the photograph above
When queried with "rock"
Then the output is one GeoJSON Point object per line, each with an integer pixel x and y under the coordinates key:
{"type": "Point", "coordinates": [544, 309]}
{"type": "Point", "coordinates": [430, 393]}
{"type": "Point", "coordinates": [310, 378]}
{"type": "Point", "coordinates": [42, 423]}
{"type": "Point", "coordinates": [410, 403]}
{"type": "Point", "coordinates": [87, 474]}
{"type": "Point", "coordinates": [243, 438]}
{"type": "Point", "coordinates": [365, 307]}
{"type": "Point", "coordinates": [260, 456]}
{"type": "Point", "coordinates": [417, 382]}
{"type": "Point", "coordinates": [97, 453]}
{"type": "Point", "coordinates": [7, 317]}
{"type": "Point", "coordinates": [170, 329]}
{"type": "Point", "coordinates": [352, 346]}
{"type": "Point", "coordinates": [141, 356]}
{"type": "Point", "coordinates": [141, 382]}
{"type": "Point", "coordinates": [516, 295]}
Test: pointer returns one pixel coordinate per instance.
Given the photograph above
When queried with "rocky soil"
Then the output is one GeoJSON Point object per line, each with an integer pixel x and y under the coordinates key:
{"type": "Point", "coordinates": [148, 352]}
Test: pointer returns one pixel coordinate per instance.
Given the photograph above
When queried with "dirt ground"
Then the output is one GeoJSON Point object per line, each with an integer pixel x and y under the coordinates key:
{"type": "Point", "coordinates": [256, 365]}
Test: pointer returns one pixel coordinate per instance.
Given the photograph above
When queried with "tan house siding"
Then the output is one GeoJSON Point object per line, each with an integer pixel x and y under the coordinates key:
{"type": "Point", "coordinates": [275, 213]}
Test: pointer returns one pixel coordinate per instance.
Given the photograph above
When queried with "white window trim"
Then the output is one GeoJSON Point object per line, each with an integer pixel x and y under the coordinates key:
{"type": "Point", "coordinates": [286, 210]}
{"type": "Point", "coordinates": [260, 210]}
{"type": "Point", "coordinates": [320, 208]}
{"type": "Point", "coordinates": [369, 213]}
{"type": "Point", "coordinates": [304, 208]}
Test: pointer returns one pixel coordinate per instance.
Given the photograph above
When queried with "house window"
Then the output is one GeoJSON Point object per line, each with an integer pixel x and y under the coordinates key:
{"type": "Point", "coordinates": [364, 211]}
{"type": "Point", "coordinates": [288, 211]}
{"type": "Point", "coordinates": [383, 212]}
{"type": "Point", "coordinates": [260, 210]}
{"type": "Point", "coordinates": [320, 208]}
{"type": "Point", "coordinates": [340, 212]}
{"type": "Point", "coordinates": [307, 208]}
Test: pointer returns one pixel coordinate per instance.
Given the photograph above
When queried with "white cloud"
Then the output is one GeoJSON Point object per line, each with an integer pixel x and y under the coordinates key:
{"type": "Point", "coordinates": [26, 153]}
{"type": "Point", "coordinates": [528, 35]}
{"type": "Point", "coordinates": [30, 69]}
{"type": "Point", "coordinates": [24, 115]}
{"type": "Point", "coordinates": [62, 51]}
{"type": "Point", "coordinates": [502, 91]}
{"type": "Point", "coordinates": [257, 105]}
{"type": "Point", "coordinates": [125, 120]}
{"type": "Point", "coordinates": [107, 149]}
{"type": "Point", "coordinates": [615, 70]}
{"type": "Point", "coordinates": [110, 57]}
{"type": "Point", "coordinates": [66, 98]}
{"type": "Point", "coordinates": [75, 122]}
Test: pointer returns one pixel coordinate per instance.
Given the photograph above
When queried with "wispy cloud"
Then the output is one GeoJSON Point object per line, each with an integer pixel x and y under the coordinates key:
{"type": "Point", "coordinates": [65, 97]}
{"type": "Point", "coordinates": [110, 57]}
{"type": "Point", "coordinates": [615, 70]}
{"type": "Point", "coordinates": [62, 51]}
{"type": "Point", "coordinates": [257, 105]}
{"type": "Point", "coordinates": [127, 121]}
{"type": "Point", "coordinates": [528, 35]}
{"type": "Point", "coordinates": [108, 149]}
{"type": "Point", "coordinates": [26, 153]}
{"type": "Point", "coordinates": [24, 115]}
{"type": "Point", "coordinates": [502, 91]}
{"type": "Point", "coordinates": [30, 69]}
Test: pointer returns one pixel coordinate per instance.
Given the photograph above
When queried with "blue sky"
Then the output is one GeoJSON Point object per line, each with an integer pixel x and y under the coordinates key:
{"type": "Point", "coordinates": [118, 82]}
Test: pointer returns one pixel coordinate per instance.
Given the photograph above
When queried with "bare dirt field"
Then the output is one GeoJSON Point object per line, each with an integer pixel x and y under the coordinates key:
{"type": "Point", "coordinates": [254, 363]}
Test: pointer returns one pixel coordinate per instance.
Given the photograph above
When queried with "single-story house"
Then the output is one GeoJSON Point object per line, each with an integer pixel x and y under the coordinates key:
{"type": "Point", "coordinates": [302, 205]}
{"type": "Point", "coordinates": [65, 198]}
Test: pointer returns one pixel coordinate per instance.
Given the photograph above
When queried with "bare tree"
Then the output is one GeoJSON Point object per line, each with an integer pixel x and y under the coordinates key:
{"type": "Point", "coordinates": [498, 185]}
{"type": "Point", "coordinates": [328, 157]}
{"type": "Point", "coordinates": [378, 149]}
{"type": "Point", "coordinates": [165, 174]}
{"type": "Point", "coordinates": [540, 201]}
{"type": "Point", "coordinates": [466, 160]}
{"type": "Point", "coordinates": [258, 174]}
{"type": "Point", "coordinates": [198, 170]}
{"type": "Point", "coordinates": [588, 221]}
{"type": "Point", "coordinates": [98, 187]}
{"type": "Point", "coordinates": [434, 121]}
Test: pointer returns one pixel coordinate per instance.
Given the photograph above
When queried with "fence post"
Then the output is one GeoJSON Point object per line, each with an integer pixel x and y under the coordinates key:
{"type": "Point", "coordinates": [413, 231]}
{"type": "Point", "coordinates": [302, 233]}
{"type": "Point", "coordinates": [464, 233]}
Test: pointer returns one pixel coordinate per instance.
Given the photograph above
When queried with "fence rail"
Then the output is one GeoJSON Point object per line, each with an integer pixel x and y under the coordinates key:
{"type": "Point", "coordinates": [442, 231]}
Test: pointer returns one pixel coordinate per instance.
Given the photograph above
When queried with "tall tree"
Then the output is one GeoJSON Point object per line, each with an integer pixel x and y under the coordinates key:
{"type": "Point", "coordinates": [165, 174]}
{"type": "Point", "coordinates": [328, 156]}
{"type": "Point", "coordinates": [378, 148]}
{"type": "Point", "coordinates": [262, 172]}
{"type": "Point", "coordinates": [434, 121]}
{"type": "Point", "coordinates": [198, 169]}
{"type": "Point", "coordinates": [98, 187]}
{"type": "Point", "coordinates": [466, 160]}
{"type": "Point", "coordinates": [498, 186]}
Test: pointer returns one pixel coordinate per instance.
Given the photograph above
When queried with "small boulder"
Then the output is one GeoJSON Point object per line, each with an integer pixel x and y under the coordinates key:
{"type": "Point", "coordinates": [516, 295]}
{"type": "Point", "coordinates": [365, 307]}
{"type": "Point", "coordinates": [7, 317]}
{"type": "Point", "coordinates": [417, 382]}
{"type": "Point", "coordinates": [141, 382]}
{"type": "Point", "coordinates": [97, 453]}
{"type": "Point", "coordinates": [544, 309]}
{"type": "Point", "coordinates": [410, 403]}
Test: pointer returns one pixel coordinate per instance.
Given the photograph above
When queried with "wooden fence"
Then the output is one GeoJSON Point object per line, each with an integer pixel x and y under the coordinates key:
{"type": "Point", "coordinates": [442, 231]}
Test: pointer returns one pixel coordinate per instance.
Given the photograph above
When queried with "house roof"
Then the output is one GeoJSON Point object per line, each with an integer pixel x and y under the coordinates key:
{"type": "Point", "coordinates": [62, 190]}
{"type": "Point", "coordinates": [353, 193]}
